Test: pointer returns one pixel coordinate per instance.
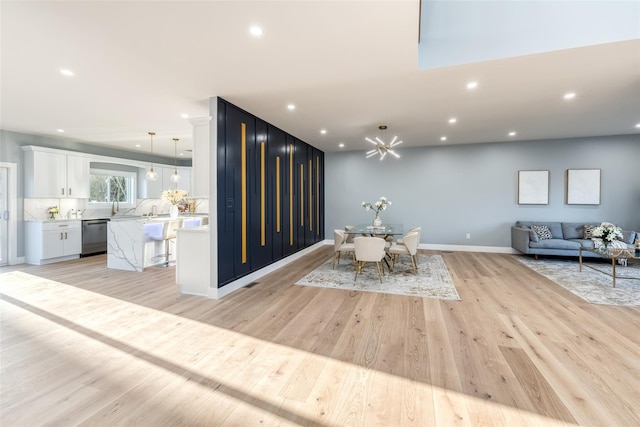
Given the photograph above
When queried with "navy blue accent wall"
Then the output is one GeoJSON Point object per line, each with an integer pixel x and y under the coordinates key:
{"type": "Point", "coordinates": [295, 207]}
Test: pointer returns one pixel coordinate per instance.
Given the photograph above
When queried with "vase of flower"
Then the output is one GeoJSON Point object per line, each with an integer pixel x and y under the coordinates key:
{"type": "Point", "coordinates": [377, 207]}
{"type": "Point", "coordinates": [173, 211]}
{"type": "Point", "coordinates": [377, 222]}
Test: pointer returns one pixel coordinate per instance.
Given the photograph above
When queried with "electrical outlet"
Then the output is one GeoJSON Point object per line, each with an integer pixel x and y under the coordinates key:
{"type": "Point", "coordinates": [468, 235]}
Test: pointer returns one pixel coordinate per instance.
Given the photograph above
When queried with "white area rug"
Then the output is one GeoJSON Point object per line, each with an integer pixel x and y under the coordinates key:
{"type": "Point", "coordinates": [432, 280]}
{"type": "Point", "coordinates": [592, 286]}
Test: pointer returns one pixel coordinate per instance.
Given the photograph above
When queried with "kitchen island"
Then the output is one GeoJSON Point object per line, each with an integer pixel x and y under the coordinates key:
{"type": "Point", "coordinates": [130, 247]}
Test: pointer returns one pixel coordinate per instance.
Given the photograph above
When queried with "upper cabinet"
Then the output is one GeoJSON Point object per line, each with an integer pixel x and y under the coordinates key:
{"type": "Point", "coordinates": [52, 174]}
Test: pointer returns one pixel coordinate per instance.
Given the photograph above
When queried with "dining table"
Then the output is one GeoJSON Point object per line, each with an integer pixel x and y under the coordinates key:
{"type": "Point", "coordinates": [384, 230]}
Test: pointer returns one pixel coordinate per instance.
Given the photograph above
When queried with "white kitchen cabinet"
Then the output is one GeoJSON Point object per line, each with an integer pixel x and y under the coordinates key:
{"type": "Point", "coordinates": [52, 241]}
{"type": "Point", "coordinates": [53, 174]}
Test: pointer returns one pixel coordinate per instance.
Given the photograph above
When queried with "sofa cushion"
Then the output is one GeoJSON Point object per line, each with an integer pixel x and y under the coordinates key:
{"type": "Point", "coordinates": [555, 227]}
{"type": "Point", "coordinates": [628, 237]}
{"type": "Point", "coordinates": [573, 230]}
{"type": "Point", "coordinates": [585, 243]}
{"type": "Point", "coordinates": [533, 236]}
{"type": "Point", "coordinates": [542, 231]}
{"type": "Point", "coordinates": [555, 244]}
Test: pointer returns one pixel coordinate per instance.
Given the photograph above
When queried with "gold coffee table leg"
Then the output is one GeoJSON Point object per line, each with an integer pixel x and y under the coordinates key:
{"type": "Point", "coordinates": [613, 268]}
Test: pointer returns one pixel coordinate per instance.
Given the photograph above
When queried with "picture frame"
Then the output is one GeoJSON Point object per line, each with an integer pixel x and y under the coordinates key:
{"type": "Point", "coordinates": [583, 186]}
{"type": "Point", "coordinates": [533, 187]}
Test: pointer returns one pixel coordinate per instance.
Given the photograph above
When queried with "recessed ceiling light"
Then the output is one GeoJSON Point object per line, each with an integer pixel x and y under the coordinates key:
{"type": "Point", "coordinates": [255, 31]}
{"type": "Point", "coordinates": [638, 125]}
{"type": "Point", "coordinates": [184, 115]}
{"type": "Point", "coordinates": [512, 133]}
{"type": "Point", "coordinates": [443, 138]}
{"type": "Point", "coordinates": [452, 120]}
{"type": "Point", "coordinates": [472, 85]}
{"type": "Point", "coordinates": [181, 154]}
{"type": "Point", "coordinates": [60, 130]}
{"type": "Point", "coordinates": [341, 145]}
{"type": "Point", "coordinates": [137, 145]}
{"type": "Point", "coordinates": [291, 107]}
{"type": "Point", "coordinates": [569, 95]}
{"type": "Point", "coordinates": [66, 72]}
{"type": "Point", "coordinates": [323, 131]}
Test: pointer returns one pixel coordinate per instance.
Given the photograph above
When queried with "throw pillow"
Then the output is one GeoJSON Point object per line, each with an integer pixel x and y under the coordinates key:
{"type": "Point", "coordinates": [588, 231]}
{"type": "Point", "coordinates": [542, 231]}
{"type": "Point", "coordinates": [533, 236]}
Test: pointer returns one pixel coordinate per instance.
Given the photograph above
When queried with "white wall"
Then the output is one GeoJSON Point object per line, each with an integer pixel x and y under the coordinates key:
{"type": "Point", "coordinates": [454, 190]}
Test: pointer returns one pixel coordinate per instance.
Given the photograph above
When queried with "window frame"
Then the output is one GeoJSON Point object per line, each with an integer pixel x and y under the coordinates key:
{"type": "Point", "coordinates": [133, 185]}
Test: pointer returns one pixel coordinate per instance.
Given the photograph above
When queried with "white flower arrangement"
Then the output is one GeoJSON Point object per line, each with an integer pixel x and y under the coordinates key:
{"type": "Point", "coordinates": [174, 197]}
{"type": "Point", "coordinates": [607, 232]}
{"type": "Point", "coordinates": [378, 206]}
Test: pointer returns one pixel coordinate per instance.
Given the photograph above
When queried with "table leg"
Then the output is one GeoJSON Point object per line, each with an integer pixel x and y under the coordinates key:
{"type": "Point", "coordinates": [613, 267]}
{"type": "Point", "coordinates": [581, 259]}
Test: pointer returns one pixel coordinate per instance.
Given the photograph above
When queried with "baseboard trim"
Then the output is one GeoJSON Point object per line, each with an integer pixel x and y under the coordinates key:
{"type": "Point", "coordinates": [217, 293]}
{"type": "Point", "coordinates": [459, 248]}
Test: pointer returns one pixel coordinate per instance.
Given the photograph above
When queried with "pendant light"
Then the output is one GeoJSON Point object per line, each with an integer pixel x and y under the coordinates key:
{"type": "Point", "coordinates": [151, 174]}
{"type": "Point", "coordinates": [175, 177]}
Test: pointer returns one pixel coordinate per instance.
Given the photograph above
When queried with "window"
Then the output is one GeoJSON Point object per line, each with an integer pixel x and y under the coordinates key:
{"type": "Point", "coordinates": [111, 186]}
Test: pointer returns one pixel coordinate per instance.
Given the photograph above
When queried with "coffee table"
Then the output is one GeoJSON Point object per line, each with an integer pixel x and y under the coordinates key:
{"type": "Point", "coordinates": [614, 255]}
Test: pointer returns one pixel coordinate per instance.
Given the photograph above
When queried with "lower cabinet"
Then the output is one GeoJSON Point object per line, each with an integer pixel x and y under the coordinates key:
{"type": "Point", "coordinates": [48, 242]}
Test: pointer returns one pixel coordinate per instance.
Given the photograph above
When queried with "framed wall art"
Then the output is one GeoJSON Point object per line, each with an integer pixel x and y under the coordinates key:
{"type": "Point", "coordinates": [533, 187]}
{"type": "Point", "coordinates": [583, 186]}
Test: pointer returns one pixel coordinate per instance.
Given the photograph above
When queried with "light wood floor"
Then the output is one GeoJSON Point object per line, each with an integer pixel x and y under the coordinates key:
{"type": "Point", "coordinates": [102, 347]}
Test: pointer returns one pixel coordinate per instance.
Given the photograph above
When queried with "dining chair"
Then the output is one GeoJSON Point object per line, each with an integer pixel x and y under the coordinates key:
{"type": "Point", "coordinates": [369, 249]}
{"type": "Point", "coordinates": [340, 246]}
{"type": "Point", "coordinates": [411, 230]}
{"type": "Point", "coordinates": [350, 236]}
{"type": "Point", "coordinates": [409, 247]}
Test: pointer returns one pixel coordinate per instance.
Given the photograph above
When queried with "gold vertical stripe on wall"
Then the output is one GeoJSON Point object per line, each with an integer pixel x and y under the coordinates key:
{"type": "Point", "coordinates": [262, 201]}
{"type": "Point", "coordinates": [277, 194]}
{"type": "Point", "coordinates": [290, 194]}
{"type": "Point", "coordinates": [318, 195]}
{"type": "Point", "coordinates": [301, 194]}
{"type": "Point", "coordinates": [243, 184]}
{"type": "Point", "coordinates": [310, 195]}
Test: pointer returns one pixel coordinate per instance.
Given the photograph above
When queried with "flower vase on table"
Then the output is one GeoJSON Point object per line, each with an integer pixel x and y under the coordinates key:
{"type": "Point", "coordinates": [173, 211]}
{"type": "Point", "coordinates": [377, 222]}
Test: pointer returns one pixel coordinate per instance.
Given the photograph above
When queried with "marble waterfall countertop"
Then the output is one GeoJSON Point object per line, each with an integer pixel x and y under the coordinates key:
{"type": "Point", "coordinates": [129, 246]}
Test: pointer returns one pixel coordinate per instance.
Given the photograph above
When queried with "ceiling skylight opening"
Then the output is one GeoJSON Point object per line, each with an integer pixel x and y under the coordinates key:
{"type": "Point", "coordinates": [291, 107]}
{"type": "Point", "coordinates": [452, 120]}
{"type": "Point", "coordinates": [66, 72]}
{"type": "Point", "coordinates": [323, 131]}
{"type": "Point", "coordinates": [472, 85]}
{"type": "Point", "coordinates": [255, 31]}
{"type": "Point", "coordinates": [60, 130]}
{"type": "Point", "coordinates": [569, 95]}
{"type": "Point", "coordinates": [443, 138]}
{"type": "Point", "coordinates": [512, 133]}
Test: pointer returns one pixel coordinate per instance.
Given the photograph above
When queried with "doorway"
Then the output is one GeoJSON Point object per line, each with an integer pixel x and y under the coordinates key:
{"type": "Point", "coordinates": [8, 212]}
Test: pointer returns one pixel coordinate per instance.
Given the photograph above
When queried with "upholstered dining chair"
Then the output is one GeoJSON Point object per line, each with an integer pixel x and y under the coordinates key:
{"type": "Point", "coordinates": [340, 246]}
{"type": "Point", "coordinates": [350, 236]}
{"type": "Point", "coordinates": [409, 247]}
{"type": "Point", "coordinates": [411, 230]}
{"type": "Point", "coordinates": [369, 249]}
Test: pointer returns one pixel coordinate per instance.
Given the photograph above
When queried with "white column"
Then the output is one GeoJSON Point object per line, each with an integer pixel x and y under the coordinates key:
{"type": "Point", "coordinates": [200, 157]}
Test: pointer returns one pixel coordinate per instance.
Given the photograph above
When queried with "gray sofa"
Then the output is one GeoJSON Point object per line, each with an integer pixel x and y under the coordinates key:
{"type": "Point", "coordinates": [567, 237]}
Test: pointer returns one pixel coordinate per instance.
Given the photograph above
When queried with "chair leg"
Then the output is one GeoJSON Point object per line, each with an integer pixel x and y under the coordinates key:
{"type": "Point", "coordinates": [358, 268]}
{"type": "Point", "coordinates": [414, 265]}
{"type": "Point", "coordinates": [378, 268]}
{"type": "Point", "coordinates": [335, 256]}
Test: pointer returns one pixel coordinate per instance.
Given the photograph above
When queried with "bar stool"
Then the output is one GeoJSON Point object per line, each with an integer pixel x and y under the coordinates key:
{"type": "Point", "coordinates": [192, 222]}
{"type": "Point", "coordinates": [168, 233]}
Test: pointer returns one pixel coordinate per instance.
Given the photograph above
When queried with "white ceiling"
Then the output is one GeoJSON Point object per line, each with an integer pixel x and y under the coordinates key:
{"type": "Point", "coordinates": [348, 66]}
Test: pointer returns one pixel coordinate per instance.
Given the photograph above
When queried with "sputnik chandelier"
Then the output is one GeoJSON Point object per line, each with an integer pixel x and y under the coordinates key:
{"type": "Point", "coordinates": [381, 147]}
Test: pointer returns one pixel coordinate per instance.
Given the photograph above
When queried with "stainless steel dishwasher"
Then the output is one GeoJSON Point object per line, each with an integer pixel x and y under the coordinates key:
{"type": "Point", "coordinates": [94, 236]}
